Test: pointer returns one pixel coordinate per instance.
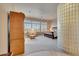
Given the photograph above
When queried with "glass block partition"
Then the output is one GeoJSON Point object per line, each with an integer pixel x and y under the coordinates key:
{"type": "Point", "coordinates": [68, 27]}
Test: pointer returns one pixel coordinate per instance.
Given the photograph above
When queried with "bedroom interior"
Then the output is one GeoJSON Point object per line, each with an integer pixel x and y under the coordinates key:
{"type": "Point", "coordinates": [32, 29]}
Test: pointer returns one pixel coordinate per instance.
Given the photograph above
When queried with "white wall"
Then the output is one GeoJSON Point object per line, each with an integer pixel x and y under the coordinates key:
{"type": "Point", "coordinates": [3, 30]}
{"type": "Point", "coordinates": [0, 30]}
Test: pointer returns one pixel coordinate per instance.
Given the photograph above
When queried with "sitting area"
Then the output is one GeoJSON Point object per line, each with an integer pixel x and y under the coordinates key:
{"type": "Point", "coordinates": [32, 34]}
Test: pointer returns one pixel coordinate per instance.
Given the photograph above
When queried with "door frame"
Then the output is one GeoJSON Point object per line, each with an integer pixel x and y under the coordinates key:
{"type": "Point", "coordinates": [8, 24]}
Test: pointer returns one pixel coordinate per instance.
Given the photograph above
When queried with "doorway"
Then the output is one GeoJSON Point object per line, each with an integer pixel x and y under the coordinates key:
{"type": "Point", "coordinates": [40, 42]}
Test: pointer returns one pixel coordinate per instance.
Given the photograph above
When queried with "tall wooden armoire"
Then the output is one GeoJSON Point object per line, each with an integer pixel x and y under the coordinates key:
{"type": "Point", "coordinates": [16, 33]}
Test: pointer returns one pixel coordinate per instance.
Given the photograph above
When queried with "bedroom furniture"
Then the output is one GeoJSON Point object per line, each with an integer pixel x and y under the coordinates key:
{"type": "Point", "coordinates": [49, 34]}
{"type": "Point", "coordinates": [16, 32]}
{"type": "Point", "coordinates": [52, 33]}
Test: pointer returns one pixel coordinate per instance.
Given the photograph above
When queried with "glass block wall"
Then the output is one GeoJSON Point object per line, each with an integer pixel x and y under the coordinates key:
{"type": "Point", "coordinates": [68, 27]}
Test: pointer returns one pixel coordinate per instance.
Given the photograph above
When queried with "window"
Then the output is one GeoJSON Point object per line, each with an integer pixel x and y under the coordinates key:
{"type": "Point", "coordinates": [28, 26]}
{"type": "Point", "coordinates": [43, 26]}
{"type": "Point", "coordinates": [38, 28]}
{"type": "Point", "coordinates": [36, 25]}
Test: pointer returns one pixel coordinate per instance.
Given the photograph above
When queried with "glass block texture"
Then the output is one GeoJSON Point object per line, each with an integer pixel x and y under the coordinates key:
{"type": "Point", "coordinates": [68, 27]}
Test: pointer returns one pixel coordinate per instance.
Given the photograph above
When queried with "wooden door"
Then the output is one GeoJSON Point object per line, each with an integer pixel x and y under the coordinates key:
{"type": "Point", "coordinates": [16, 33]}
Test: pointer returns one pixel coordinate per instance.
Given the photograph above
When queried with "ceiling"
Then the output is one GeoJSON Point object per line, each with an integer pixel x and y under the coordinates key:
{"type": "Point", "coordinates": [38, 10]}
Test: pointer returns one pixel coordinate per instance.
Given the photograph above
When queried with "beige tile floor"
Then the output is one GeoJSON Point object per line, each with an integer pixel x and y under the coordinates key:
{"type": "Point", "coordinates": [42, 46]}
